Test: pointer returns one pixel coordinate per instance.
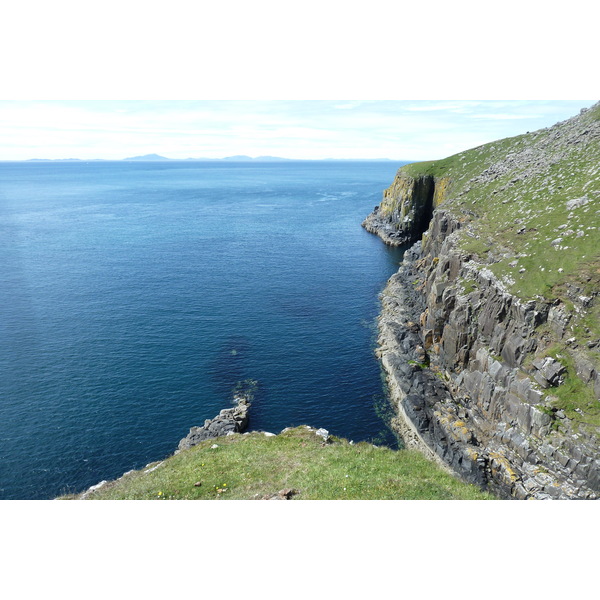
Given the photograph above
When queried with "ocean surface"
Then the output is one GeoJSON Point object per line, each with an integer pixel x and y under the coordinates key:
{"type": "Point", "coordinates": [134, 296]}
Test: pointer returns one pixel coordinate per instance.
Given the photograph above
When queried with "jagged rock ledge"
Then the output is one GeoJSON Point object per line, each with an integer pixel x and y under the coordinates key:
{"type": "Point", "coordinates": [470, 365]}
{"type": "Point", "coordinates": [413, 387]}
{"type": "Point", "coordinates": [227, 422]}
{"type": "Point", "coordinates": [454, 367]}
{"type": "Point", "coordinates": [406, 209]}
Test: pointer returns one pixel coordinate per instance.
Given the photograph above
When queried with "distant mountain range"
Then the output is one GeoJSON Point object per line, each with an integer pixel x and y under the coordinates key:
{"type": "Point", "coordinates": [239, 158]}
{"type": "Point", "coordinates": [236, 158]}
{"type": "Point", "coordinates": [147, 157]}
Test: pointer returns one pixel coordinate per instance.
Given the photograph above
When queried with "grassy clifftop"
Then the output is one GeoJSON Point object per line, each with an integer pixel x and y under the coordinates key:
{"type": "Point", "coordinates": [529, 212]}
{"type": "Point", "coordinates": [531, 206]}
{"type": "Point", "coordinates": [296, 464]}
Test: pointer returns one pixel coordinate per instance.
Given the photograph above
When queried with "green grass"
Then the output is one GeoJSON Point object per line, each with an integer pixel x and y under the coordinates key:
{"type": "Point", "coordinates": [514, 219]}
{"type": "Point", "coordinates": [510, 222]}
{"type": "Point", "coordinates": [468, 285]}
{"type": "Point", "coordinates": [246, 466]}
{"type": "Point", "coordinates": [574, 395]}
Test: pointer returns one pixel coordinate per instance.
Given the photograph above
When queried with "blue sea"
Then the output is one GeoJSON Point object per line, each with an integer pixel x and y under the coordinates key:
{"type": "Point", "coordinates": [136, 295]}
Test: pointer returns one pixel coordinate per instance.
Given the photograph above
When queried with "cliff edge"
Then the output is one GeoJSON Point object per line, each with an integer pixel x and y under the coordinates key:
{"type": "Point", "coordinates": [490, 331]}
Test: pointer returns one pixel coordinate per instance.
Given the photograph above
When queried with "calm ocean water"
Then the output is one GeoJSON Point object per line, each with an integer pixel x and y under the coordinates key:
{"type": "Point", "coordinates": [136, 295]}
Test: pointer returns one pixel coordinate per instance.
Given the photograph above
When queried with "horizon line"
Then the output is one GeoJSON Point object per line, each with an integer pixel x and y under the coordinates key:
{"type": "Point", "coordinates": [232, 158]}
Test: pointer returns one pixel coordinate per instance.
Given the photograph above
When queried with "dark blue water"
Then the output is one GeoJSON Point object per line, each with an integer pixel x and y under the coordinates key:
{"type": "Point", "coordinates": [136, 295]}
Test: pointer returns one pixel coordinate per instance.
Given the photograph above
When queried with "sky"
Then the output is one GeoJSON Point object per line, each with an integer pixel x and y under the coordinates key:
{"type": "Point", "coordinates": [299, 129]}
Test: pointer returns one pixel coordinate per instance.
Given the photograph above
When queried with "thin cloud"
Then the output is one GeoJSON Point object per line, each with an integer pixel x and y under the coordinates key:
{"type": "Point", "coordinates": [400, 130]}
{"type": "Point", "coordinates": [347, 105]}
{"type": "Point", "coordinates": [503, 116]}
{"type": "Point", "coordinates": [441, 107]}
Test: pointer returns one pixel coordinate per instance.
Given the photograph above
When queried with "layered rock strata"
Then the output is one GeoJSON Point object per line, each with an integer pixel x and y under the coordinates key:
{"type": "Point", "coordinates": [228, 421]}
{"type": "Point", "coordinates": [452, 363]}
{"type": "Point", "coordinates": [467, 362]}
{"type": "Point", "coordinates": [406, 209]}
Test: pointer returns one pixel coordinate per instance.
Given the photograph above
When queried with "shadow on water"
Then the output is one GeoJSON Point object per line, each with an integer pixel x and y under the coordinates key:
{"type": "Point", "coordinates": [303, 300]}
{"type": "Point", "coordinates": [385, 411]}
{"type": "Point", "coordinates": [229, 366]}
{"type": "Point", "coordinates": [381, 402]}
{"type": "Point", "coordinates": [395, 254]}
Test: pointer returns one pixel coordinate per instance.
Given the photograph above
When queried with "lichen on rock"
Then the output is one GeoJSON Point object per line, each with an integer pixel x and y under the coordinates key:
{"type": "Point", "coordinates": [471, 361]}
{"type": "Point", "coordinates": [406, 208]}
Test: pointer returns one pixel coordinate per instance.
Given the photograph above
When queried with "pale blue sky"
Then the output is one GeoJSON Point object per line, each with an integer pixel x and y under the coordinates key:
{"type": "Point", "coordinates": [305, 129]}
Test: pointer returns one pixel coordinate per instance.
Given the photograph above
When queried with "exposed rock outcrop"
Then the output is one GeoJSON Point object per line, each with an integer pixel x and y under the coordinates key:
{"type": "Point", "coordinates": [469, 362]}
{"type": "Point", "coordinates": [406, 209]}
{"type": "Point", "coordinates": [453, 369]}
{"type": "Point", "coordinates": [228, 421]}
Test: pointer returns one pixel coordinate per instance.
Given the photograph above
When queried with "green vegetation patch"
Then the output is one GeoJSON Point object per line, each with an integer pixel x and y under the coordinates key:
{"type": "Point", "coordinates": [468, 285]}
{"type": "Point", "coordinates": [530, 208]}
{"type": "Point", "coordinates": [464, 166]}
{"type": "Point", "coordinates": [573, 396]}
{"type": "Point", "coordinates": [244, 467]}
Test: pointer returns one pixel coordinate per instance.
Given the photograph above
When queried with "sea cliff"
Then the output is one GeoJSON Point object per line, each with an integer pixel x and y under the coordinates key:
{"type": "Point", "coordinates": [489, 333]}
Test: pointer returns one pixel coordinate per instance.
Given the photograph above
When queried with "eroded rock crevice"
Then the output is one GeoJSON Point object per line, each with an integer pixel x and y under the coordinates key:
{"type": "Point", "coordinates": [406, 209]}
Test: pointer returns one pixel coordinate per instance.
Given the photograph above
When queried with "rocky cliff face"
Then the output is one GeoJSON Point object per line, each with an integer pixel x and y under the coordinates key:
{"type": "Point", "coordinates": [493, 364]}
{"type": "Point", "coordinates": [406, 209]}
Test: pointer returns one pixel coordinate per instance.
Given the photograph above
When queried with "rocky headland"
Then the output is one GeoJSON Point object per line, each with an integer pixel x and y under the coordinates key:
{"type": "Point", "coordinates": [489, 333]}
{"type": "Point", "coordinates": [228, 421]}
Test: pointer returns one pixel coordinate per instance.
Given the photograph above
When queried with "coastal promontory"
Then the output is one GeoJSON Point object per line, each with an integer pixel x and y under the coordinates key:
{"type": "Point", "coordinates": [490, 331]}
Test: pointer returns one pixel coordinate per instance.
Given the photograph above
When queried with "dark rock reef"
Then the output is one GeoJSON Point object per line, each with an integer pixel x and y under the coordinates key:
{"type": "Point", "coordinates": [228, 421]}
